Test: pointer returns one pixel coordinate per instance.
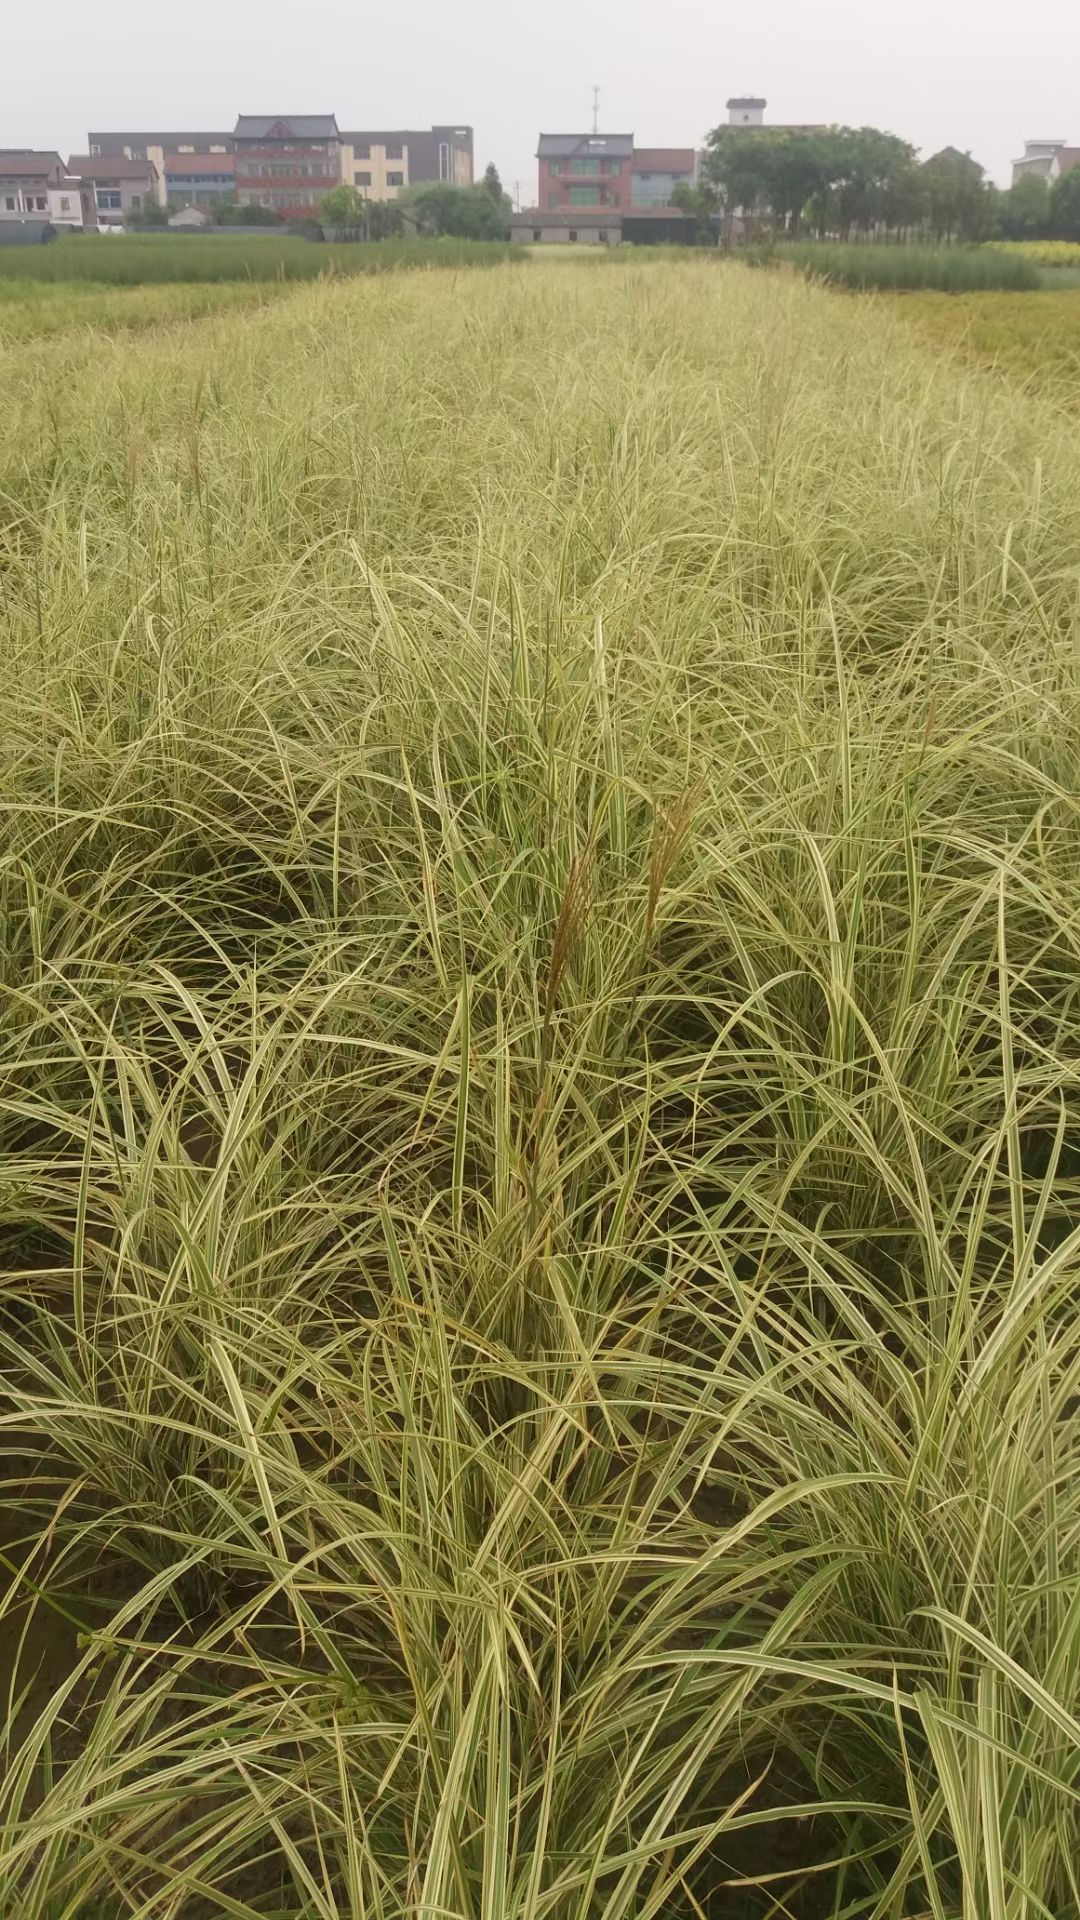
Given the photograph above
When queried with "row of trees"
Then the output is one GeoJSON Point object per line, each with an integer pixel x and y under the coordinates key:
{"type": "Point", "coordinates": [851, 181]}
{"type": "Point", "coordinates": [479, 212]}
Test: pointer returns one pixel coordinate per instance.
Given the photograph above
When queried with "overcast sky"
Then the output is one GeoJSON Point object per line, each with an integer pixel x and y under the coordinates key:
{"type": "Point", "coordinates": [980, 74]}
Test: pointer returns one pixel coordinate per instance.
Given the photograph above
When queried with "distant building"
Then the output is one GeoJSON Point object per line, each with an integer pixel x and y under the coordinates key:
{"type": "Point", "coordinates": [381, 164]}
{"type": "Point", "coordinates": [1037, 159]}
{"type": "Point", "coordinates": [748, 110]}
{"type": "Point", "coordinates": [39, 186]}
{"type": "Point", "coordinates": [595, 228]}
{"type": "Point", "coordinates": [657, 171]}
{"type": "Point", "coordinates": [607, 173]}
{"type": "Point", "coordinates": [194, 217]}
{"type": "Point", "coordinates": [196, 179]}
{"type": "Point", "coordinates": [1045, 160]}
{"type": "Point", "coordinates": [138, 146]}
{"type": "Point", "coordinates": [287, 162]}
{"type": "Point", "coordinates": [119, 186]}
{"type": "Point", "coordinates": [26, 179]}
{"type": "Point", "coordinates": [579, 171]}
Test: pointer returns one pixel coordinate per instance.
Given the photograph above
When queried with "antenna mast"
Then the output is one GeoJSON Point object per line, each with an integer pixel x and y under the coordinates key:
{"type": "Point", "coordinates": [595, 108]}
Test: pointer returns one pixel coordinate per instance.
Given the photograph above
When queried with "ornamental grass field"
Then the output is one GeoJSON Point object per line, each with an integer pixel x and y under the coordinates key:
{"type": "Point", "coordinates": [539, 1111]}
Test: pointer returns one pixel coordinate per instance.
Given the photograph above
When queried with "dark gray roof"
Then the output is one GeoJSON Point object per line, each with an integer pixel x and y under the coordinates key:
{"type": "Point", "coordinates": [286, 126]}
{"type": "Point", "coordinates": [109, 166]}
{"type": "Point", "coordinates": [115, 142]}
{"type": "Point", "coordinates": [18, 162]}
{"type": "Point", "coordinates": [564, 146]}
{"type": "Point", "coordinates": [746, 100]}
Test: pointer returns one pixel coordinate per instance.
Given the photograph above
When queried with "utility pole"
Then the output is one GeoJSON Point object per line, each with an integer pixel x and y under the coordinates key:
{"type": "Point", "coordinates": [517, 196]}
{"type": "Point", "coordinates": [595, 109]}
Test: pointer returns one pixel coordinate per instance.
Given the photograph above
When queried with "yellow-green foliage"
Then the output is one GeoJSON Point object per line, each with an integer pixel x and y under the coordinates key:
{"type": "Point", "coordinates": [539, 1111]}
{"type": "Point", "coordinates": [32, 308]}
{"type": "Point", "coordinates": [1043, 253]}
{"type": "Point", "coordinates": [1032, 336]}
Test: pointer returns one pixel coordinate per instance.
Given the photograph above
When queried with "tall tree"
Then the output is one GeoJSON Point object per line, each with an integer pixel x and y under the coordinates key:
{"type": "Point", "coordinates": [1025, 208]}
{"type": "Point", "coordinates": [957, 203]}
{"type": "Point", "coordinates": [491, 182]}
{"type": "Point", "coordinates": [870, 173]}
{"type": "Point", "coordinates": [1065, 206]}
{"type": "Point", "coordinates": [343, 209]}
{"type": "Point", "coordinates": [736, 165]}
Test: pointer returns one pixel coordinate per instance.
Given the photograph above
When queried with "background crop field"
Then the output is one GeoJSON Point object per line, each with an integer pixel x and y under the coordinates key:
{"type": "Point", "coordinates": [539, 1110]}
{"type": "Point", "coordinates": [1034, 338]}
{"type": "Point", "coordinates": [30, 309]}
{"type": "Point", "coordinates": [137, 259]}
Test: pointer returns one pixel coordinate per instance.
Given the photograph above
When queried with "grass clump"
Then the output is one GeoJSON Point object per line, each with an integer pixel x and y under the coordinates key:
{"type": "Point", "coordinates": [899, 269]}
{"type": "Point", "coordinates": [539, 1113]}
{"type": "Point", "coordinates": [141, 259]}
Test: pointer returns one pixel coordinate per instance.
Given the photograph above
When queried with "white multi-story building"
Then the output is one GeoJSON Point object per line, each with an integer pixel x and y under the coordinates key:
{"type": "Point", "coordinates": [1045, 160]}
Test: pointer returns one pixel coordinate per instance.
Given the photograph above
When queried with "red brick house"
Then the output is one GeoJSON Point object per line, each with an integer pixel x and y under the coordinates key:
{"type": "Point", "coordinates": [579, 171]}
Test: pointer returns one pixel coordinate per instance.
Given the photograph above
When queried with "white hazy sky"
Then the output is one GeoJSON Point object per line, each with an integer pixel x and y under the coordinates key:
{"type": "Point", "coordinates": [980, 74]}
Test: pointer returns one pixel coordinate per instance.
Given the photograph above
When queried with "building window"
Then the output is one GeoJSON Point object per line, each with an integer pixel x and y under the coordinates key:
{"type": "Point", "coordinates": [108, 199]}
{"type": "Point", "coordinates": [65, 203]}
{"type": "Point", "coordinates": [395, 179]}
{"type": "Point", "coordinates": [362, 150]}
{"type": "Point", "coordinates": [584, 196]}
{"type": "Point", "coordinates": [585, 166]}
{"type": "Point", "coordinates": [362, 179]}
{"type": "Point", "coordinates": [42, 203]}
{"type": "Point", "coordinates": [394, 150]}
{"type": "Point", "coordinates": [555, 166]}
{"type": "Point", "coordinates": [9, 204]}
{"type": "Point", "coordinates": [573, 233]}
{"type": "Point", "coordinates": [537, 233]}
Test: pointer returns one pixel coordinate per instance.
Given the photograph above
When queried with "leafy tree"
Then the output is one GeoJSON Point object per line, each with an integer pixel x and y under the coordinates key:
{"type": "Point", "coordinates": [248, 213]}
{"type": "Point", "coordinates": [736, 167]}
{"type": "Point", "coordinates": [147, 216]}
{"type": "Point", "coordinates": [798, 167]}
{"type": "Point", "coordinates": [1064, 218]}
{"type": "Point", "coordinates": [1025, 208]}
{"type": "Point", "coordinates": [872, 177]}
{"type": "Point", "coordinates": [343, 209]}
{"type": "Point", "coordinates": [383, 220]}
{"type": "Point", "coordinates": [903, 197]}
{"type": "Point", "coordinates": [491, 183]}
{"type": "Point", "coordinates": [841, 177]}
{"type": "Point", "coordinates": [469, 213]}
{"type": "Point", "coordinates": [957, 203]}
{"type": "Point", "coordinates": [703, 202]}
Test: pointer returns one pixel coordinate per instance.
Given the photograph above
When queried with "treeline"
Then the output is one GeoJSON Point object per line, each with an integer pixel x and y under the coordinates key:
{"type": "Point", "coordinates": [856, 182]}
